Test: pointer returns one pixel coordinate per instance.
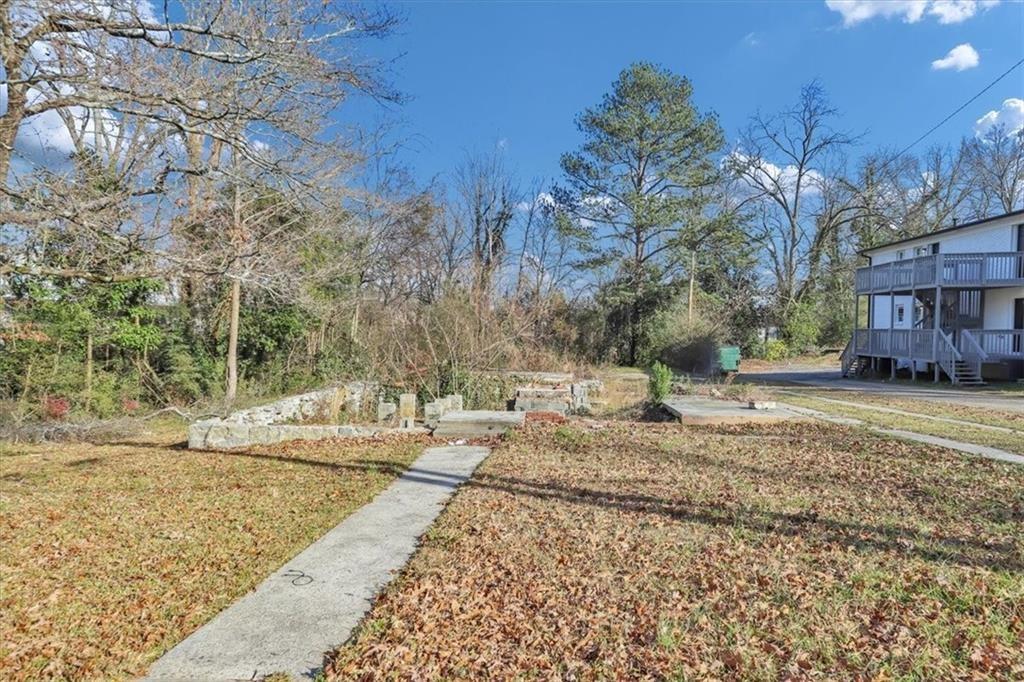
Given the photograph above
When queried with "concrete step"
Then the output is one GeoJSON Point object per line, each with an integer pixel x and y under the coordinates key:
{"type": "Point", "coordinates": [477, 423]}
{"type": "Point", "coordinates": [544, 393]}
{"type": "Point", "coordinates": [560, 406]}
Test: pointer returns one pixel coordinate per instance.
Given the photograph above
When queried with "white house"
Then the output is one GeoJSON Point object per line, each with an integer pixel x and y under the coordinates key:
{"type": "Point", "coordinates": [949, 303]}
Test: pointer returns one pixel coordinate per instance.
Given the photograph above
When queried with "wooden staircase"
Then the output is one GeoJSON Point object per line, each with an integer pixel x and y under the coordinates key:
{"type": "Point", "coordinates": [966, 374]}
{"type": "Point", "coordinates": [857, 367]}
{"type": "Point", "coordinates": [852, 364]}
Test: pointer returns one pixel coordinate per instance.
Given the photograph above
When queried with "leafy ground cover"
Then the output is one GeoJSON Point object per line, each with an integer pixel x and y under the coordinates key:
{"type": "Point", "coordinates": [1010, 441]}
{"type": "Point", "coordinates": [660, 551]}
{"type": "Point", "coordinates": [936, 408]}
{"type": "Point", "coordinates": [113, 553]}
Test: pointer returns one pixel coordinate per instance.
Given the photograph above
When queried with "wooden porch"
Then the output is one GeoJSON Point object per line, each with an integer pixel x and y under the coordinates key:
{"type": "Point", "coordinates": [967, 270]}
{"type": "Point", "coordinates": [960, 355]}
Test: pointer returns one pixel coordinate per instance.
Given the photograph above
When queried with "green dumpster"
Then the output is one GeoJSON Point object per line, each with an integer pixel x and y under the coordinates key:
{"type": "Point", "coordinates": [728, 360]}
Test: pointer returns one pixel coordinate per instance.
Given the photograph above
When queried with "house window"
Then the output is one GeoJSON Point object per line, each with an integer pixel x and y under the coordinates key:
{"type": "Point", "coordinates": [899, 255]}
{"type": "Point", "coordinates": [899, 313]}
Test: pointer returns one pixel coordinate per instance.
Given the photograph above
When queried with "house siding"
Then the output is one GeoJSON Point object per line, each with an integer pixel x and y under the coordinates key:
{"type": "Point", "coordinates": [882, 307]}
{"type": "Point", "coordinates": [999, 307]}
{"type": "Point", "coordinates": [999, 237]}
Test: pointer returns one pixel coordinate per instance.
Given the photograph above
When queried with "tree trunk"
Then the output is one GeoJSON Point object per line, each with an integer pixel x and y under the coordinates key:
{"type": "Point", "coordinates": [689, 303]}
{"type": "Point", "coordinates": [236, 293]}
{"type": "Point", "coordinates": [9, 124]}
{"type": "Point", "coordinates": [88, 370]}
{"type": "Point", "coordinates": [633, 333]}
{"type": "Point", "coordinates": [232, 389]}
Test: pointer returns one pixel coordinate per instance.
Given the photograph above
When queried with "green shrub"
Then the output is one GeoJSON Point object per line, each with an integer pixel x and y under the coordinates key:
{"type": "Point", "coordinates": [802, 329]}
{"type": "Point", "coordinates": [683, 344]}
{"type": "Point", "coordinates": [660, 383]}
{"type": "Point", "coordinates": [775, 350]}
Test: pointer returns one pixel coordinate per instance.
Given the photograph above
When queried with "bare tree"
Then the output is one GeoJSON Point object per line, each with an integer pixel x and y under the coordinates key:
{"type": "Point", "coordinates": [119, 76]}
{"type": "Point", "coordinates": [486, 201]}
{"type": "Point", "coordinates": [167, 117]}
{"type": "Point", "coordinates": [996, 162]}
{"type": "Point", "coordinates": [790, 169]}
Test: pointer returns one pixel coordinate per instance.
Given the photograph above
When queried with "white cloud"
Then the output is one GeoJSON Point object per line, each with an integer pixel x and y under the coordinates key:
{"type": "Point", "coordinates": [961, 58]}
{"type": "Point", "coordinates": [955, 11]}
{"type": "Point", "coordinates": [856, 11]}
{"type": "Point", "coordinates": [910, 11]}
{"type": "Point", "coordinates": [542, 200]}
{"type": "Point", "coordinates": [761, 172]}
{"type": "Point", "coordinates": [1010, 116]}
{"type": "Point", "coordinates": [752, 39]}
{"type": "Point", "coordinates": [49, 138]}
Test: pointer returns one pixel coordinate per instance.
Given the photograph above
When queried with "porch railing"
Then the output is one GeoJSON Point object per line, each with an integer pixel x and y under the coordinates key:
{"type": "Point", "coordinates": [982, 345]}
{"type": "Point", "coordinates": [947, 355]}
{"type": "Point", "coordinates": [1000, 343]}
{"type": "Point", "coordinates": [971, 348]}
{"type": "Point", "coordinates": [894, 343]}
{"type": "Point", "coordinates": [945, 269]}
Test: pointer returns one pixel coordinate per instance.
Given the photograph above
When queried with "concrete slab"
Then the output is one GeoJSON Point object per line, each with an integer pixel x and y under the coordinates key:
{"type": "Point", "coordinates": [698, 410]}
{"type": "Point", "coordinates": [477, 423]}
{"type": "Point", "coordinates": [312, 604]}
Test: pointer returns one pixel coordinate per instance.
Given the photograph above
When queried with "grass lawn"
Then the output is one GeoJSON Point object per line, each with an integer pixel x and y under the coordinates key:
{"type": "Point", "coordinates": [795, 550]}
{"type": "Point", "coordinates": [113, 553]}
{"type": "Point", "coordinates": [935, 408]}
{"type": "Point", "coordinates": [1008, 441]}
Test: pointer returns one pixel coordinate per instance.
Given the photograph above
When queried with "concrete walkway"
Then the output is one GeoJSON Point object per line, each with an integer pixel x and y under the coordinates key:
{"type": "Point", "coordinates": [969, 448]}
{"type": "Point", "coordinates": [313, 603]}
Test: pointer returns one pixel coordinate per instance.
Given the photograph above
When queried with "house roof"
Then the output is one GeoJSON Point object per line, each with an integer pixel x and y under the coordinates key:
{"type": "Point", "coordinates": [945, 230]}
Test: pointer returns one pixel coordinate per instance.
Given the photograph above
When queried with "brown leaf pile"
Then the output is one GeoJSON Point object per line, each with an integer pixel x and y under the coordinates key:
{"type": "Point", "coordinates": [793, 551]}
{"type": "Point", "coordinates": [111, 554]}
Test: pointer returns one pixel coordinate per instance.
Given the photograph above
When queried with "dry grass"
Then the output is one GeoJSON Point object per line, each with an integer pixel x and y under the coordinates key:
{"type": "Point", "coordinates": [757, 365]}
{"type": "Point", "coordinates": [1010, 441]}
{"type": "Point", "coordinates": [624, 389]}
{"type": "Point", "coordinates": [935, 408]}
{"type": "Point", "coordinates": [113, 553]}
{"type": "Point", "coordinates": [796, 551]}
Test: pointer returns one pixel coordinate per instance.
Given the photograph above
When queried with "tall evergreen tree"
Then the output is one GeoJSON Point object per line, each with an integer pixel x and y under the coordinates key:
{"type": "Point", "coordinates": [641, 187]}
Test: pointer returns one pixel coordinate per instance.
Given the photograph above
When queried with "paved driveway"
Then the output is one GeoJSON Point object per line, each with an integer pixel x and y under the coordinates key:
{"type": "Point", "coordinates": [831, 379]}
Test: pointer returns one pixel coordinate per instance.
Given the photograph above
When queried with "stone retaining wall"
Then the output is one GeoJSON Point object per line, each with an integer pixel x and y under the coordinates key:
{"type": "Point", "coordinates": [266, 424]}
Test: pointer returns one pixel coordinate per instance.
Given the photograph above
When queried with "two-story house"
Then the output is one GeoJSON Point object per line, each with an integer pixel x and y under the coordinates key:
{"type": "Point", "coordinates": [949, 304]}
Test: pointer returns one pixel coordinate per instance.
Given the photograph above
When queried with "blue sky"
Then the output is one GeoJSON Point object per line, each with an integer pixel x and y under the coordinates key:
{"type": "Point", "coordinates": [517, 73]}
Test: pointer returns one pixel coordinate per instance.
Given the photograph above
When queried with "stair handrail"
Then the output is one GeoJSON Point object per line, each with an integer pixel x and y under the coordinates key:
{"type": "Point", "coordinates": [967, 338]}
{"type": "Point", "coordinates": [947, 355]}
{"type": "Point", "coordinates": [846, 357]}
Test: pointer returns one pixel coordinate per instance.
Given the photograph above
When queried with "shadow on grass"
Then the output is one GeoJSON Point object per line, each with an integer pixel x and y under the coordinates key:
{"type": "Point", "coordinates": [406, 473]}
{"type": "Point", "coordinates": [177, 445]}
{"type": "Point", "coordinates": [809, 525]}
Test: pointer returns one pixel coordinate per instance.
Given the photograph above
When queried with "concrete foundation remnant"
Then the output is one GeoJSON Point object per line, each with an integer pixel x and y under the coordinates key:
{"type": "Point", "coordinates": [407, 406]}
{"type": "Point", "coordinates": [477, 423]}
{"type": "Point", "coordinates": [386, 412]}
{"type": "Point", "coordinates": [432, 413]}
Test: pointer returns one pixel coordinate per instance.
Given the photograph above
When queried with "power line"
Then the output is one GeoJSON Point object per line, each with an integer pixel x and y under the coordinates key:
{"type": "Point", "coordinates": [955, 112]}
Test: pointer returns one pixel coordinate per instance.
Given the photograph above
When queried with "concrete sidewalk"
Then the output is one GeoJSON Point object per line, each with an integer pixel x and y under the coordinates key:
{"type": "Point", "coordinates": [312, 603]}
